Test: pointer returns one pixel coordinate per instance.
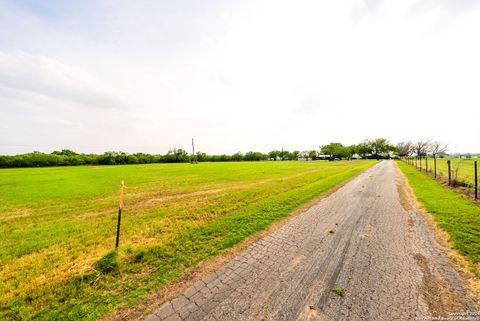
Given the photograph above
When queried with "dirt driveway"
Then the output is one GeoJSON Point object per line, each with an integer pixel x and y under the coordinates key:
{"type": "Point", "coordinates": [355, 255]}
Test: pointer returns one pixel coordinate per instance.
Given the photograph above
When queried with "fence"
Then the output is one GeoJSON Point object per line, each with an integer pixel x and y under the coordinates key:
{"type": "Point", "coordinates": [456, 172]}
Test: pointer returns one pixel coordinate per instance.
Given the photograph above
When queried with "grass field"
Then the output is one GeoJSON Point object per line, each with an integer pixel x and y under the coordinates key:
{"type": "Point", "coordinates": [58, 223]}
{"type": "Point", "coordinates": [462, 169]}
{"type": "Point", "coordinates": [455, 214]}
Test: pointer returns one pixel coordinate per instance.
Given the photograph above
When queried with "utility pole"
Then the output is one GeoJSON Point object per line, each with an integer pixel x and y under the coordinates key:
{"type": "Point", "coordinates": [193, 151]}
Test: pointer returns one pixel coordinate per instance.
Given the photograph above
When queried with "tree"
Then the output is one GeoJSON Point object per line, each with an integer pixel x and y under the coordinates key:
{"type": "Point", "coordinates": [201, 157]}
{"type": "Point", "coordinates": [312, 154]}
{"type": "Point", "coordinates": [404, 149]}
{"type": "Point", "coordinates": [351, 150]}
{"type": "Point", "coordinates": [284, 154]}
{"type": "Point", "coordinates": [436, 148]}
{"type": "Point", "coordinates": [295, 155]}
{"type": "Point", "coordinates": [364, 149]}
{"type": "Point", "coordinates": [64, 152]}
{"type": "Point", "coordinates": [381, 148]}
{"type": "Point", "coordinates": [255, 156]}
{"type": "Point", "coordinates": [421, 148]}
{"type": "Point", "coordinates": [176, 156]}
{"type": "Point", "coordinates": [237, 156]}
{"type": "Point", "coordinates": [274, 154]}
{"type": "Point", "coordinates": [334, 150]}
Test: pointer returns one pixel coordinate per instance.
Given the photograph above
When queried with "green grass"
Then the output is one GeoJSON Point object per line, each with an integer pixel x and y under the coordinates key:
{"type": "Point", "coordinates": [455, 214]}
{"type": "Point", "coordinates": [462, 169]}
{"type": "Point", "coordinates": [58, 227]}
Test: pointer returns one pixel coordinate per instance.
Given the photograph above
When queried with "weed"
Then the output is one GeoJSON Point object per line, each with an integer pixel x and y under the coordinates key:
{"type": "Point", "coordinates": [339, 291]}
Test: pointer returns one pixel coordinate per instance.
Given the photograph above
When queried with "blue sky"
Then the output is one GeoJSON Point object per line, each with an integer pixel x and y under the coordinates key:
{"type": "Point", "coordinates": [238, 76]}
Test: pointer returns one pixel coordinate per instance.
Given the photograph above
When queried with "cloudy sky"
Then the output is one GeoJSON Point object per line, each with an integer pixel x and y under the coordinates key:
{"type": "Point", "coordinates": [237, 75]}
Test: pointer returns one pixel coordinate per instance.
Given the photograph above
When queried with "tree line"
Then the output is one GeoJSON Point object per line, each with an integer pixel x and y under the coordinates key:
{"type": "Point", "coordinates": [374, 149]}
{"type": "Point", "coordinates": [422, 148]}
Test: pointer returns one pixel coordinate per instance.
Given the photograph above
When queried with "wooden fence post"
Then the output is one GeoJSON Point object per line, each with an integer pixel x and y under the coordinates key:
{"type": "Point", "coordinates": [420, 163]}
{"type": "Point", "coordinates": [435, 166]}
{"type": "Point", "coordinates": [426, 164]}
{"type": "Point", "coordinates": [120, 207]}
{"type": "Point", "coordinates": [449, 173]}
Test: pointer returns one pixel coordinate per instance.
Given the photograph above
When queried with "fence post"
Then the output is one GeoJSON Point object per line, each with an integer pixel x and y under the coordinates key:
{"type": "Point", "coordinates": [426, 164]}
{"type": "Point", "coordinates": [449, 173]}
{"type": "Point", "coordinates": [435, 166]}
{"type": "Point", "coordinates": [476, 180]}
{"type": "Point", "coordinates": [420, 163]}
{"type": "Point", "coordinates": [120, 207]}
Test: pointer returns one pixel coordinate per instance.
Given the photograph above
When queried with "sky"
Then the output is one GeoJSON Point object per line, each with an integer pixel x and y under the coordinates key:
{"type": "Point", "coordinates": [148, 76]}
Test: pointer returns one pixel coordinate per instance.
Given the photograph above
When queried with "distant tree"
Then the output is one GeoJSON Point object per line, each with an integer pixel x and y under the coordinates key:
{"type": "Point", "coordinates": [364, 149]}
{"type": "Point", "coordinates": [201, 157]}
{"type": "Point", "coordinates": [108, 158]}
{"type": "Point", "coordinates": [404, 149]}
{"type": "Point", "coordinates": [295, 155]}
{"type": "Point", "coordinates": [65, 152]}
{"type": "Point", "coordinates": [436, 148]}
{"type": "Point", "coordinates": [284, 154]}
{"type": "Point", "coordinates": [351, 151]}
{"type": "Point", "coordinates": [381, 148]}
{"type": "Point", "coordinates": [334, 150]}
{"type": "Point", "coordinates": [312, 154]}
{"type": "Point", "coordinates": [255, 156]}
{"type": "Point", "coordinates": [421, 148]}
{"type": "Point", "coordinates": [274, 154]}
{"type": "Point", "coordinates": [304, 154]}
{"type": "Point", "coordinates": [176, 156]}
{"type": "Point", "coordinates": [132, 159]}
{"type": "Point", "coordinates": [237, 157]}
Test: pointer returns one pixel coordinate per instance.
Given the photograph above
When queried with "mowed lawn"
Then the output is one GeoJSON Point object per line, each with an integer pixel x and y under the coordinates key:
{"type": "Point", "coordinates": [57, 223]}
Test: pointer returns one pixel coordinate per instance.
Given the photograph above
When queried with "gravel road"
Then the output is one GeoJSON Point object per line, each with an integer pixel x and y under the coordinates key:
{"type": "Point", "coordinates": [379, 256]}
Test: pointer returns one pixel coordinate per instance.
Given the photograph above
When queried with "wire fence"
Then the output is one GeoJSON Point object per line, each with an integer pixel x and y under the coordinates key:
{"type": "Point", "coordinates": [460, 173]}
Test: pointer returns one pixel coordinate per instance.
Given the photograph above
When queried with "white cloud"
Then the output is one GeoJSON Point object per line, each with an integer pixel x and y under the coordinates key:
{"type": "Point", "coordinates": [41, 76]}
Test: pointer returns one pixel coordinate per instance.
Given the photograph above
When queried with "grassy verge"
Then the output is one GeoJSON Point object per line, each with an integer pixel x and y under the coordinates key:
{"type": "Point", "coordinates": [59, 227]}
{"type": "Point", "coordinates": [455, 214]}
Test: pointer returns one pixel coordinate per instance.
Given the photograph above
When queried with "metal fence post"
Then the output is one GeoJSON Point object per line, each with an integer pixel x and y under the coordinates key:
{"type": "Point", "coordinates": [476, 180]}
{"type": "Point", "coordinates": [120, 207]}
{"type": "Point", "coordinates": [449, 173]}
